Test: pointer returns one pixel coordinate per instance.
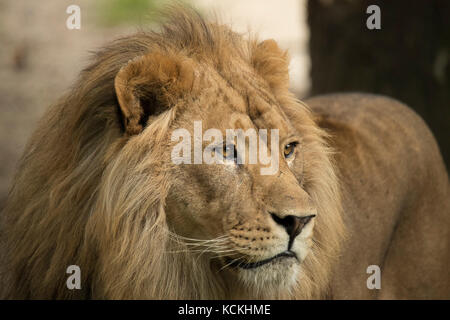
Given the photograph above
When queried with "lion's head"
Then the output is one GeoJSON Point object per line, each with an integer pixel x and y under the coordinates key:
{"type": "Point", "coordinates": [97, 186]}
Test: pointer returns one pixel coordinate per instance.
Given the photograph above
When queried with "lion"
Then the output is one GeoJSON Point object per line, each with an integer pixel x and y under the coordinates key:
{"type": "Point", "coordinates": [360, 182]}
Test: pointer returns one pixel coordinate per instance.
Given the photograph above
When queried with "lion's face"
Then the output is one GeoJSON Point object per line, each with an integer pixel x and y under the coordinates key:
{"type": "Point", "coordinates": [248, 212]}
{"type": "Point", "coordinates": [262, 223]}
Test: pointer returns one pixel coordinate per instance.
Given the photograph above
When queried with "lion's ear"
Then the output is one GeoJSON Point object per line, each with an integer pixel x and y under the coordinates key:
{"type": "Point", "coordinates": [149, 85]}
{"type": "Point", "coordinates": [272, 64]}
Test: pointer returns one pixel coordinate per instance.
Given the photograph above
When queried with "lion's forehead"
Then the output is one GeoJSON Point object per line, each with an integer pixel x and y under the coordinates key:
{"type": "Point", "coordinates": [241, 102]}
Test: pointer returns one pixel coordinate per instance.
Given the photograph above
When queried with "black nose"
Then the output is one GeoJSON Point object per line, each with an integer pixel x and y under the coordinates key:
{"type": "Point", "coordinates": [292, 224]}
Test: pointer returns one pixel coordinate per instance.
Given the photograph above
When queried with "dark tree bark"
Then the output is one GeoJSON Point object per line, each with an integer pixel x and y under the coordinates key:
{"type": "Point", "coordinates": [408, 59]}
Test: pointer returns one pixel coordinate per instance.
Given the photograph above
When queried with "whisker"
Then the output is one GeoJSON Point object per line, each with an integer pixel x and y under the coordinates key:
{"type": "Point", "coordinates": [228, 264]}
{"type": "Point", "coordinates": [219, 241]}
{"type": "Point", "coordinates": [223, 237]}
{"type": "Point", "coordinates": [233, 252]}
{"type": "Point", "coordinates": [200, 251]}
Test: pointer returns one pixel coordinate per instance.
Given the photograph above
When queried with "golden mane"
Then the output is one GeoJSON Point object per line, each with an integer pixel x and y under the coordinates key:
{"type": "Point", "coordinates": [83, 195]}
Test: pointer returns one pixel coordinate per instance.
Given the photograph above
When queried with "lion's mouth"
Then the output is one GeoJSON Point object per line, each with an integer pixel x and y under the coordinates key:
{"type": "Point", "coordinates": [253, 265]}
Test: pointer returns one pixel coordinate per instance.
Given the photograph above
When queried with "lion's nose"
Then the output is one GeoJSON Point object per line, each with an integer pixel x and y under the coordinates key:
{"type": "Point", "coordinates": [292, 224]}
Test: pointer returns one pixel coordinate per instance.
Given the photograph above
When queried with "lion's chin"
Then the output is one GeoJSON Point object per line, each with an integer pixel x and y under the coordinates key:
{"type": "Point", "coordinates": [280, 274]}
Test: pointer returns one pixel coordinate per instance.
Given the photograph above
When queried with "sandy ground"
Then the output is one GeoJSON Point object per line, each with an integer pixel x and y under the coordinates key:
{"type": "Point", "coordinates": [40, 57]}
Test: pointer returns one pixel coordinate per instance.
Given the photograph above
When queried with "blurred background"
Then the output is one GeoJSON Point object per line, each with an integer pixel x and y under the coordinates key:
{"type": "Point", "coordinates": [330, 46]}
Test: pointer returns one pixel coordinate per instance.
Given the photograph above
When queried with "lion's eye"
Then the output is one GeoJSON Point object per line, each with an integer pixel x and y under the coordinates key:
{"type": "Point", "coordinates": [229, 152]}
{"type": "Point", "coordinates": [289, 149]}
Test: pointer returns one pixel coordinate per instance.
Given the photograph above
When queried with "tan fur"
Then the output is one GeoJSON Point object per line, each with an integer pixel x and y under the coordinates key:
{"type": "Point", "coordinates": [96, 186]}
{"type": "Point", "coordinates": [396, 198]}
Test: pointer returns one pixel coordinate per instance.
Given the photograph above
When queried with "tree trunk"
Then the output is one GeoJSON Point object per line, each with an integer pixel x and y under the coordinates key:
{"type": "Point", "coordinates": [407, 59]}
